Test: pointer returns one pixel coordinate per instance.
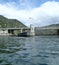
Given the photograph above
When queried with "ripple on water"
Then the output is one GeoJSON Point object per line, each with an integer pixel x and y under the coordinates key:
{"type": "Point", "coordinates": [43, 64]}
{"type": "Point", "coordinates": [39, 50]}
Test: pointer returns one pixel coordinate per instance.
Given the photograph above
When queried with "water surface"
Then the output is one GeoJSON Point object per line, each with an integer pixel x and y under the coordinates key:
{"type": "Point", "coordinates": [38, 50]}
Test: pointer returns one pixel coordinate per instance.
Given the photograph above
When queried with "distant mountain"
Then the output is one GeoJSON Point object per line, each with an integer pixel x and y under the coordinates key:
{"type": "Point", "coordinates": [10, 23]}
{"type": "Point", "coordinates": [52, 25]}
{"type": "Point", "coordinates": [56, 26]}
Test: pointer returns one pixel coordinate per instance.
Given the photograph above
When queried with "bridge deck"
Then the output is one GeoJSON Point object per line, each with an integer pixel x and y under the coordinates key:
{"type": "Point", "coordinates": [13, 28]}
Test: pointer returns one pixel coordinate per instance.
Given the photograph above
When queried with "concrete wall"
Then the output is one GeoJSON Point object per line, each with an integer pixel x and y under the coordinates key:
{"type": "Point", "coordinates": [45, 31]}
{"type": "Point", "coordinates": [4, 32]}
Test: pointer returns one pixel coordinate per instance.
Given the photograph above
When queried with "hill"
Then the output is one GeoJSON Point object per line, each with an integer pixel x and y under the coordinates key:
{"type": "Point", "coordinates": [56, 26]}
{"type": "Point", "coordinates": [53, 25]}
{"type": "Point", "coordinates": [10, 23]}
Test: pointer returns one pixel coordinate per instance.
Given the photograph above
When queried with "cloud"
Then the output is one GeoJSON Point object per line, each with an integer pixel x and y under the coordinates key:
{"type": "Point", "coordinates": [47, 13]}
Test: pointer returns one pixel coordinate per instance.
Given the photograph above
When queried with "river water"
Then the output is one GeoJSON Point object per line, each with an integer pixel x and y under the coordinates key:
{"type": "Point", "coordinates": [37, 50]}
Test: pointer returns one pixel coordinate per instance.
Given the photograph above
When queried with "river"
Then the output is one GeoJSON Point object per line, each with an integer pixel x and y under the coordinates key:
{"type": "Point", "coordinates": [37, 50]}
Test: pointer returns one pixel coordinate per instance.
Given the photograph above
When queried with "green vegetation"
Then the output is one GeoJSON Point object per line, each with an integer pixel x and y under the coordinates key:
{"type": "Point", "coordinates": [10, 23]}
{"type": "Point", "coordinates": [53, 25]}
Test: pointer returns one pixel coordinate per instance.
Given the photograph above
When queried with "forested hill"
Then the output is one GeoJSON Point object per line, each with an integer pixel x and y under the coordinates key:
{"type": "Point", "coordinates": [10, 23]}
{"type": "Point", "coordinates": [52, 26]}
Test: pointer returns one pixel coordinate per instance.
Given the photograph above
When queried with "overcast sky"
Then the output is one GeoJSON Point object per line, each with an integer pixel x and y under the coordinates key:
{"type": "Point", "coordinates": [36, 12]}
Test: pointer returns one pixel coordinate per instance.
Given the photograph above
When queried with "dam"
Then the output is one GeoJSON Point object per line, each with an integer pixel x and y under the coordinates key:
{"type": "Point", "coordinates": [15, 27]}
{"type": "Point", "coordinates": [47, 30]}
{"type": "Point", "coordinates": [31, 31]}
{"type": "Point", "coordinates": [15, 31]}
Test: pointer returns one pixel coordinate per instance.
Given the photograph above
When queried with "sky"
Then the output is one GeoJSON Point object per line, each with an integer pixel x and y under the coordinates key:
{"type": "Point", "coordinates": [36, 12]}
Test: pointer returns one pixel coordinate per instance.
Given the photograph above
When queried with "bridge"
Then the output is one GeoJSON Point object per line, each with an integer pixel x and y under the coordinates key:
{"type": "Point", "coordinates": [13, 31]}
{"type": "Point", "coordinates": [25, 28]}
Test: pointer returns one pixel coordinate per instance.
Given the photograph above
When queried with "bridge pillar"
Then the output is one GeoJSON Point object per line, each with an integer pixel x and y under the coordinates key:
{"type": "Point", "coordinates": [21, 30]}
{"type": "Point", "coordinates": [32, 30]}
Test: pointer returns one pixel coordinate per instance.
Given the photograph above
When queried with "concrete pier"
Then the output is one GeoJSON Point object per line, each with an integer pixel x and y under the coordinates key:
{"type": "Point", "coordinates": [21, 30]}
{"type": "Point", "coordinates": [32, 30]}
